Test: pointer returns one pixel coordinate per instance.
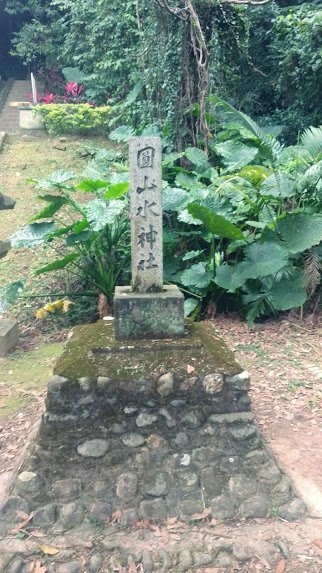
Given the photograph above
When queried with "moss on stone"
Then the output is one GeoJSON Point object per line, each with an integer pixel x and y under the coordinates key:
{"type": "Point", "coordinates": [92, 351]}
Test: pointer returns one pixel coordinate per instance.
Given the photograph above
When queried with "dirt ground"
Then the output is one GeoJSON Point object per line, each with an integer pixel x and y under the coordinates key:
{"type": "Point", "coordinates": [283, 357]}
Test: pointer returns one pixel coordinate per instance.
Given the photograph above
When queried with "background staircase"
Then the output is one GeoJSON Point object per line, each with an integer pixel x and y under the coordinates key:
{"type": "Point", "coordinates": [9, 117]}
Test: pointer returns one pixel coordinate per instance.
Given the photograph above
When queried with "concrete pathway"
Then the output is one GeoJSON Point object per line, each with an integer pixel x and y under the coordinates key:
{"type": "Point", "coordinates": [9, 116]}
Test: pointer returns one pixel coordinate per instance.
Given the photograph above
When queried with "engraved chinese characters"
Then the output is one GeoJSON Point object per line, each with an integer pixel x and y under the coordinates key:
{"type": "Point", "coordinates": [146, 214]}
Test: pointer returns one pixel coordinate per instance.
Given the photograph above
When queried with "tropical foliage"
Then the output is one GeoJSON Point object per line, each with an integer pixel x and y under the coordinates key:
{"type": "Point", "coordinates": [242, 227]}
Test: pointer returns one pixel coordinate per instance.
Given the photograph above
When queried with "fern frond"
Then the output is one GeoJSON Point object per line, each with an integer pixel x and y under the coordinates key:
{"type": "Point", "coordinates": [315, 171]}
{"type": "Point", "coordinates": [311, 139]}
{"type": "Point", "coordinates": [312, 271]}
{"type": "Point", "coordinates": [271, 146]}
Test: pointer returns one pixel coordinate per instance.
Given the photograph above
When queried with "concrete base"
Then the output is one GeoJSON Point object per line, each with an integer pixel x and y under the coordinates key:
{"type": "Point", "coordinates": [29, 120]}
{"type": "Point", "coordinates": [9, 335]}
{"type": "Point", "coordinates": [148, 315]}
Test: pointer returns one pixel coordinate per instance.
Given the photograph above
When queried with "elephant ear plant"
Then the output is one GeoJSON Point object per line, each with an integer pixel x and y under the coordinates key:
{"type": "Point", "coordinates": [89, 236]}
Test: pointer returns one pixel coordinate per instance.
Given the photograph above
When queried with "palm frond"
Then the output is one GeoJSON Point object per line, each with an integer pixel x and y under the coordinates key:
{"type": "Point", "coordinates": [312, 271]}
{"type": "Point", "coordinates": [311, 139]}
{"type": "Point", "coordinates": [270, 145]}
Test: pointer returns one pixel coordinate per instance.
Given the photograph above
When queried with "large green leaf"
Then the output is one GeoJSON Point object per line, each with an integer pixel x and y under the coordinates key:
{"type": "Point", "coordinates": [173, 198]}
{"type": "Point", "coordinates": [215, 224]}
{"type": "Point", "coordinates": [288, 293]}
{"type": "Point", "coordinates": [187, 180]}
{"type": "Point", "coordinates": [55, 203]}
{"type": "Point", "coordinates": [278, 185]}
{"type": "Point", "coordinates": [198, 276]}
{"type": "Point", "coordinates": [31, 235]}
{"type": "Point", "coordinates": [117, 190]}
{"type": "Point", "coordinates": [9, 294]}
{"type": "Point", "coordinates": [190, 304]}
{"type": "Point", "coordinates": [121, 134]}
{"type": "Point", "coordinates": [235, 154]}
{"type": "Point", "coordinates": [300, 231]}
{"type": "Point", "coordinates": [196, 156]}
{"type": "Point", "coordinates": [262, 259]}
{"type": "Point", "coordinates": [92, 185]}
{"type": "Point", "coordinates": [101, 213]}
{"type": "Point", "coordinates": [59, 177]}
{"type": "Point", "coordinates": [228, 277]}
{"type": "Point", "coordinates": [59, 264]}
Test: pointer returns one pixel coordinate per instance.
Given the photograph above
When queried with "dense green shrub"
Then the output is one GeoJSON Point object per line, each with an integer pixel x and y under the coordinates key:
{"type": "Point", "coordinates": [75, 118]}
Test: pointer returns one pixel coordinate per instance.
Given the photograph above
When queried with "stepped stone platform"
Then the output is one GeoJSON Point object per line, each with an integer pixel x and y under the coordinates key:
{"type": "Point", "coordinates": [148, 432]}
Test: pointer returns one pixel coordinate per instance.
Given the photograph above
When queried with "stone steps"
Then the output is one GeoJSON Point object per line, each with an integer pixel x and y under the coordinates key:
{"type": "Point", "coordinates": [9, 116]}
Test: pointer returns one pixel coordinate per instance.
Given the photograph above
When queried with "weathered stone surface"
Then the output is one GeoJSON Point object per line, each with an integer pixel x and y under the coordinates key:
{"type": "Point", "coordinates": [154, 509]}
{"type": "Point", "coordinates": [148, 315]}
{"type": "Point", "coordinates": [293, 511]}
{"type": "Point", "coordinates": [202, 559]}
{"type": "Point", "coordinates": [212, 482]}
{"type": "Point", "coordinates": [190, 507]}
{"type": "Point", "coordinates": [242, 486]}
{"type": "Point", "coordinates": [156, 442]}
{"type": "Point", "coordinates": [84, 384]}
{"type": "Point", "coordinates": [100, 511]}
{"type": "Point", "coordinates": [223, 507]}
{"type": "Point", "coordinates": [146, 214]}
{"type": "Point", "coordinates": [16, 565]}
{"type": "Point", "coordinates": [8, 511]}
{"type": "Point", "coordinates": [93, 448]}
{"type": "Point", "coordinates": [282, 492]}
{"type": "Point", "coordinates": [5, 246]}
{"type": "Point", "coordinates": [67, 489]}
{"type": "Point", "coordinates": [133, 440]}
{"type": "Point", "coordinates": [244, 433]}
{"type": "Point", "coordinates": [181, 440]}
{"type": "Point", "coordinates": [188, 383]}
{"type": "Point", "coordinates": [71, 514]}
{"type": "Point", "coordinates": [103, 382]}
{"type": "Point", "coordinates": [45, 516]}
{"type": "Point", "coordinates": [185, 560]}
{"type": "Point", "coordinates": [241, 553]}
{"type": "Point", "coordinates": [157, 486]}
{"type": "Point", "coordinates": [129, 517]}
{"type": "Point", "coordinates": [9, 335]}
{"type": "Point", "coordinates": [145, 419]}
{"type": "Point", "coordinates": [56, 384]}
{"type": "Point", "coordinates": [166, 384]}
{"type": "Point", "coordinates": [29, 483]}
{"type": "Point", "coordinates": [254, 507]}
{"type": "Point", "coordinates": [270, 473]}
{"type": "Point", "coordinates": [127, 486]}
{"type": "Point", "coordinates": [213, 383]}
{"type": "Point", "coordinates": [70, 567]}
{"type": "Point", "coordinates": [147, 561]}
{"type": "Point", "coordinates": [239, 381]}
{"type": "Point", "coordinates": [95, 563]}
{"type": "Point", "coordinates": [6, 202]}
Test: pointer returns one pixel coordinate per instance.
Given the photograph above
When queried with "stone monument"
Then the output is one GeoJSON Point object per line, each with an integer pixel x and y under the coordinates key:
{"type": "Point", "coordinates": [147, 418]}
{"type": "Point", "coordinates": [147, 309]}
{"type": "Point", "coordinates": [9, 332]}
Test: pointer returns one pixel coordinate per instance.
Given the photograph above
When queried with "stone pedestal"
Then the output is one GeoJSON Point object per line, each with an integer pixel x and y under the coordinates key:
{"type": "Point", "coordinates": [9, 335]}
{"type": "Point", "coordinates": [148, 315]}
{"type": "Point", "coordinates": [29, 120]}
{"type": "Point", "coordinates": [151, 430]}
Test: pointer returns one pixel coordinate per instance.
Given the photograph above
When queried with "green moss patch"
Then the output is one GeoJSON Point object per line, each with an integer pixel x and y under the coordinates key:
{"type": "Point", "coordinates": [93, 351]}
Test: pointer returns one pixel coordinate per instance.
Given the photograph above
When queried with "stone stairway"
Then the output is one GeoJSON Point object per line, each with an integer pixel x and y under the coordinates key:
{"type": "Point", "coordinates": [9, 116]}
